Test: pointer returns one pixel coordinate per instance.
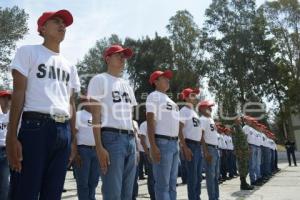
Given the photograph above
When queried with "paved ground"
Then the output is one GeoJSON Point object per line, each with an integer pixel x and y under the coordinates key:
{"type": "Point", "coordinates": [285, 185]}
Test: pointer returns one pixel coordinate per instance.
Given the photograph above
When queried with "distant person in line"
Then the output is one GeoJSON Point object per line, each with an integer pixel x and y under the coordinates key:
{"type": "Point", "coordinates": [290, 150]}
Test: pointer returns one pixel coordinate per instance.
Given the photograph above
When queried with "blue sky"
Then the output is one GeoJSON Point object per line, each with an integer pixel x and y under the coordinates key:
{"type": "Point", "coordinates": [95, 19]}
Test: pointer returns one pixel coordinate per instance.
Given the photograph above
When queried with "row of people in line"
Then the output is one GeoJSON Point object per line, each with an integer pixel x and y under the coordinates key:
{"type": "Point", "coordinates": [43, 138]}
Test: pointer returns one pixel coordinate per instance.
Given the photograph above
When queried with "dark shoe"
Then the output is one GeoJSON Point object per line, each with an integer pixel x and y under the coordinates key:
{"type": "Point", "coordinates": [64, 190]}
{"type": "Point", "coordinates": [246, 187]}
{"type": "Point", "coordinates": [258, 182]}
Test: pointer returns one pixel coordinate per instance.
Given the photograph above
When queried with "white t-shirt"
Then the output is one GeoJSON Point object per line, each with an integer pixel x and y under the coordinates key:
{"type": "Point", "coordinates": [143, 131]}
{"type": "Point", "coordinates": [251, 135]}
{"type": "Point", "coordinates": [258, 138]}
{"type": "Point", "coordinates": [229, 142]}
{"type": "Point", "coordinates": [272, 144]}
{"type": "Point", "coordinates": [117, 100]}
{"type": "Point", "coordinates": [166, 113]}
{"type": "Point", "coordinates": [192, 128]}
{"type": "Point", "coordinates": [221, 141]}
{"type": "Point", "coordinates": [210, 130]}
{"type": "Point", "coordinates": [265, 140]}
{"type": "Point", "coordinates": [85, 134]}
{"type": "Point", "coordinates": [138, 140]}
{"type": "Point", "coordinates": [3, 128]}
{"type": "Point", "coordinates": [50, 79]}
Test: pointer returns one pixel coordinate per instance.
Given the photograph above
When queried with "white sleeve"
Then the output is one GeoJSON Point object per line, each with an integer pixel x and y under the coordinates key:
{"type": "Point", "coordinates": [183, 116]}
{"type": "Point", "coordinates": [96, 88]}
{"type": "Point", "coordinates": [77, 120]}
{"type": "Point", "coordinates": [152, 104]}
{"type": "Point", "coordinates": [75, 83]}
{"type": "Point", "coordinates": [143, 129]}
{"type": "Point", "coordinates": [204, 125]}
{"type": "Point", "coordinates": [132, 97]}
{"type": "Point", "coordinates": [136, 126]}
{"type": "Point", "coordinates": [22, 61]}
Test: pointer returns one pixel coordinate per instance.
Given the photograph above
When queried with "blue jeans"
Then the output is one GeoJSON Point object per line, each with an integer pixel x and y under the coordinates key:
{"type": "Point", "coordinates": [253, 163]}
{"type": "Point", "coordinates": [230, 162]}
{"type": "Point", "coordinates": [182, 168]}
{"type": "Point", "coordinates": [273, 160]}
{"type": "Point", "coordinates": [4, 174]}
{"type": "Point", "coordinates": [212, 173]}
{"type": "Point", "coordinates": [117, 183]}
{"type": "Point", "coordinates": [165, 172]}
{"type": "Point", "coordinates": [266, 162]}
{"type": "Point", "coordinates": [257, 167]}
{"type": "Point", "coordinates": [135, 192]}
{"type": "Point", "coordinates": [46, 150]}
{"type": "Point", "coordinates": [194, 172]}
{"type": "Point", "coordinates": [150, 180]}
{"type": "Point", "coordinates": [87, 175]}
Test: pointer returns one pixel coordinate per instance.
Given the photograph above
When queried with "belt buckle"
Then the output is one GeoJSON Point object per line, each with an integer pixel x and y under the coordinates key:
{"type": "Point", "coordinates": [60, 118]}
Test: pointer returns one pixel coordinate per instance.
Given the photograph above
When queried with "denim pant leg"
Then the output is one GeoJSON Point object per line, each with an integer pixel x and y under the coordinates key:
{"type": "Point", "coordinates": [87, 175]}
{"type": "Point", "coordinates": [259, 156]}
{"type": "Point", "coordinates": [194, 173]}
{"type": "Point", "coordinates": [150, 180]}
{"type": "Point", "coordinates": [117, 183]}
{"type": "Point", "coordinates": [130, 167]}
{"type": "Point", "coordinates": [94, 175]}
{"type": "Point", "coordinates": [46, 150]}
{"type": "Point", "coordinates": [174, 170]}
{"type": "Point", "coordinates": [217, 157]}
{"type": "Point", "coordinates": [265, 161]}
{"type": "Point", "coordinates": [212, 174]}
{"type": "Point", "coordinates": [230, 163]}
{"type": "Point", "coordinates": [135, 184]}
{"type": "Point", "coordinates": [56, 170]}
{"type": "Point", "coordinates": [269, 162]}
{"type": "Point", "coordinates": [165, 172]}
{"type": "Point", "coordinates": [4, 174]}
{"type": "Point", "coordinates": [252, 163]}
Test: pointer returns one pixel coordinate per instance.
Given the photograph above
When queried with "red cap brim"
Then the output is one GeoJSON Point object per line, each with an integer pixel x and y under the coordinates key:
{"type": "Point", "coordinates": [168, 74]}
{"type": "Point", "coordinates": [4, 93]}
{"type": "Point", "coordinates": [65, 15]}
{"type": "Point", "coordinates": [128, 53]}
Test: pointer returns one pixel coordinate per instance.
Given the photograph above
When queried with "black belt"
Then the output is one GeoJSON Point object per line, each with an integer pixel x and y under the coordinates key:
{"type": "Point", "coordinates": [189, 141]}
{"type": "Point", "coordinates": [211, 145]}
{"type": "Point", "coordinates": [166, 137]}
{"type": "Point", "coordinates": [87, 146]}
{"type": "Point", "coordinates": [38, 115]}
{"type": "Point", "coordinates": [2, 148]}
{"type": "Point", "coordinates": [115, 130]}
{"type": "Point", "coordinates": [253, 145]}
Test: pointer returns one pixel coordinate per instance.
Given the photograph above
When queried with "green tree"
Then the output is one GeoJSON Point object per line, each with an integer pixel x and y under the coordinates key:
{"type": "Point", "coordinates": [149, 55]}
{"type": "Point", "coordinates": [13, 27]}
{"type": "Point", "coordinates": [282, 17]}
{"type": "Point", "coordinates": [186, 40]}
{"type": "Point", "coordinates": [231, 36]}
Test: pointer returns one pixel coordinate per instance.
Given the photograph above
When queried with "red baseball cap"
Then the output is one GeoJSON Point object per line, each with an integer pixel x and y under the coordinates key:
{"type": "Point", "coordinates": [117, 49]}
{"type": "Point", "coordinates": [4, 93]}
{"type": "Point", "coordinates": [188, 91]}
{"type": "Point", "coordinates": [155, 75]}
{"type": "Point", "coordinates": [206, 104]}
{"type": "Point", "coordinates": [65, 15]}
